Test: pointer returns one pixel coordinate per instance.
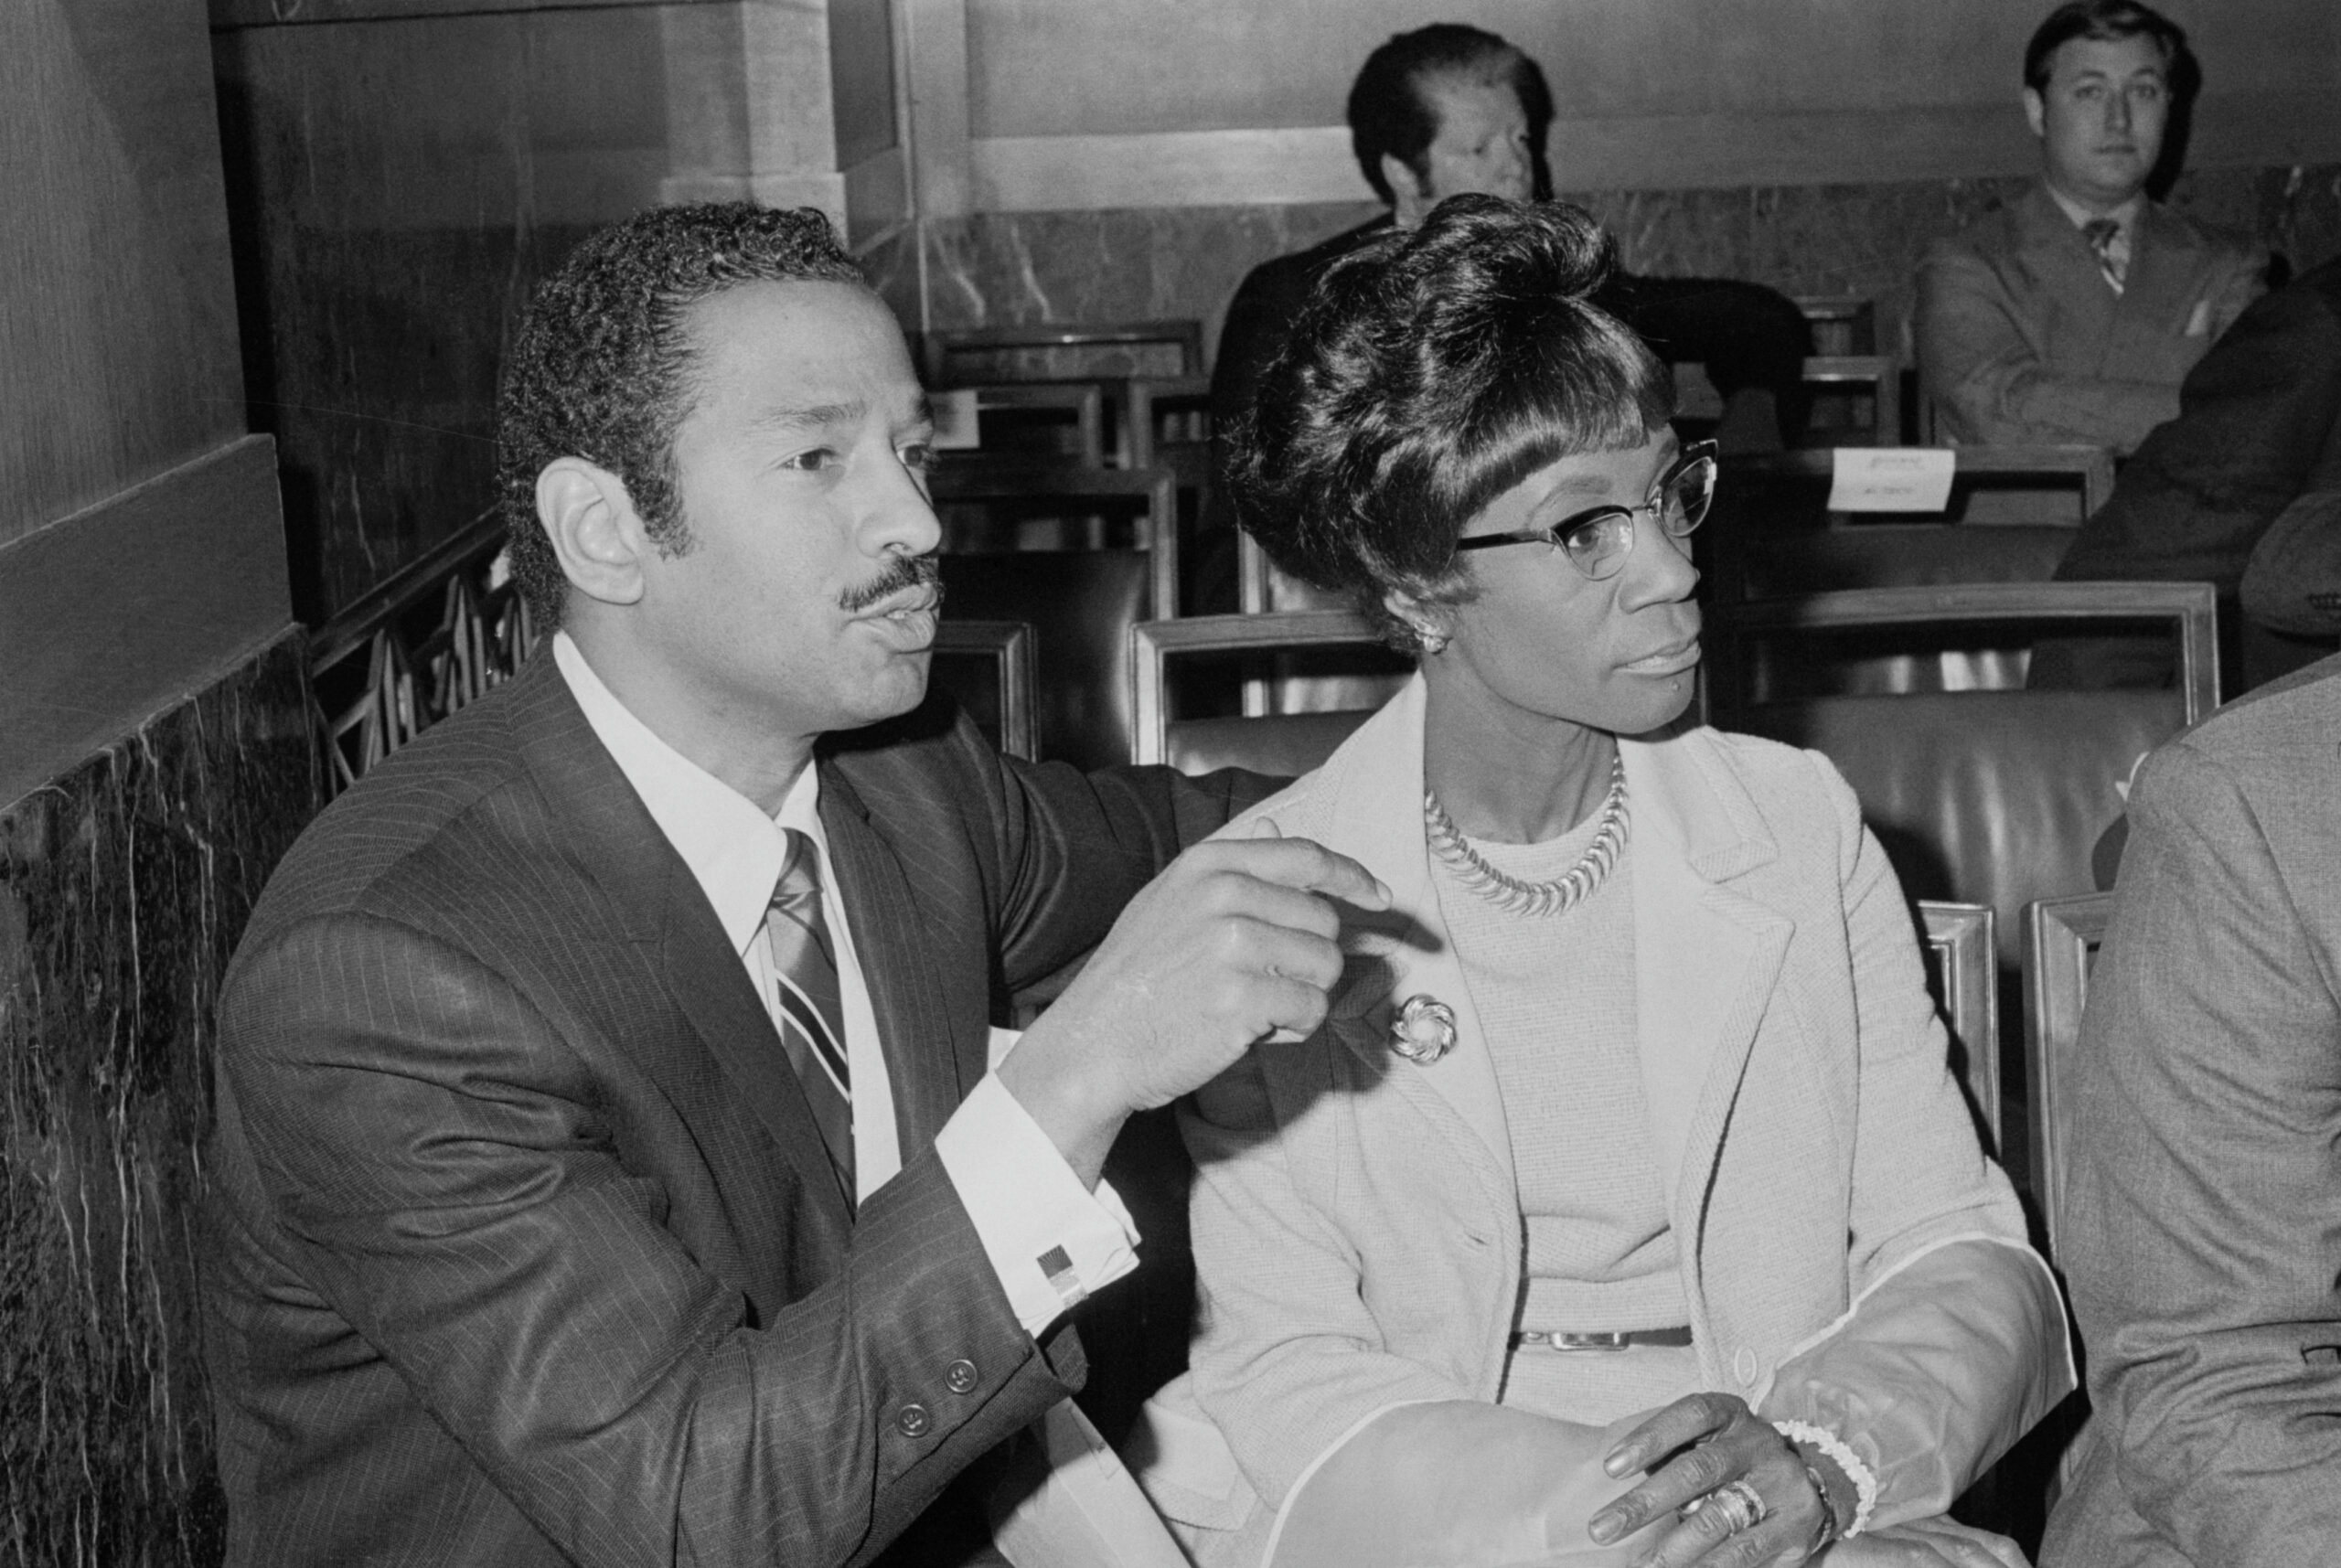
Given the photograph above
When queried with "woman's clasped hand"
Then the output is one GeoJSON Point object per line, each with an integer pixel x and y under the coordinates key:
{"type": "Point", "coordinates": [1711, 1445]}
{"type": "Point", "coordinates": [1704, 1446]}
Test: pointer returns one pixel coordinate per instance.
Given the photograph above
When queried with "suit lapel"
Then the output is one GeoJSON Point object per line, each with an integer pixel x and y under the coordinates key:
{"type": "Point", "coordinates": [907, 995]}
{"type": "Point", "coordinates": [655, 902]}
{"type": "Point", "coordinates": [2069, 270]}
{"type": "Point", "coordinates": [1374, 815]}
{"type": "Point", "coordinates": [1707, 956]}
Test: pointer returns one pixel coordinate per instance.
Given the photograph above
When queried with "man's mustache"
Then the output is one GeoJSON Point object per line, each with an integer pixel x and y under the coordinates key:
{"type": "Point", "coordinates": [903, 571]}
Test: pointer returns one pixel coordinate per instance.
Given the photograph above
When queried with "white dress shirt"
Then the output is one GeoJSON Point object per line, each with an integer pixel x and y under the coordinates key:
{"type": "Point", "coordinates": [1051, 1240]}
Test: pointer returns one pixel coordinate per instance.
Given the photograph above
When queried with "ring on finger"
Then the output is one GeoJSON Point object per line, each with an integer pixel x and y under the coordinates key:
{"type": "Point", "coordinates": [1738, 1504]}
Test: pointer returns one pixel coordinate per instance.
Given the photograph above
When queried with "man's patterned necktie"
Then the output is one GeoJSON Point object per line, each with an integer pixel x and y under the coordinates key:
{"type": "Point", "coordinates": [2101, 233]}
{"type": "Point", "coordinates": [808, 1010]}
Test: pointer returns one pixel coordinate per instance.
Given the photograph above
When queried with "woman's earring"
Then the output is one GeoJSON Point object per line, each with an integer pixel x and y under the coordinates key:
{"type": "Point", "coordinates": [1431, 639]}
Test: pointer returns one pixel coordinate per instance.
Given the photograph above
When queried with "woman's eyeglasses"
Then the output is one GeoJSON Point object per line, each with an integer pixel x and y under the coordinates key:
{"type": "Point", "coordinates": [1599, 540]}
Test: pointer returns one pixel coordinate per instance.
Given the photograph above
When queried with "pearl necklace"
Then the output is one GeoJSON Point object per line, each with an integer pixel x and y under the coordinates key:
{"type": "Point", "coordinates": [1535, 900]}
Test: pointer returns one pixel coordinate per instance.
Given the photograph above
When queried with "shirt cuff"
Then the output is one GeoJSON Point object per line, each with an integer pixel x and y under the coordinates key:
{"type": "Point", "coordinates": [1052, 1240]}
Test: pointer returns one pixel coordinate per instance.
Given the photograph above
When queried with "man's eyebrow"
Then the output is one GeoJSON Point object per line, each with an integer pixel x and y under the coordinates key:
{"type": "Point", "coordinates": [808, 416]}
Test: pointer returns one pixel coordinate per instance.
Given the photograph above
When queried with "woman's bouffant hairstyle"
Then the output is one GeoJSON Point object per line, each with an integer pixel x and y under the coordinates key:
{"type": "Point", "coordinates": [601, 368]}
{"type": "Point", "coordinates": [1430, 372]}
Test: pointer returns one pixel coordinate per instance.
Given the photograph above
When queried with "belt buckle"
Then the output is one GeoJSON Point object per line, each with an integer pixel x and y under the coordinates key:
{"type": "Point", "coordinates": [1570, 1344]}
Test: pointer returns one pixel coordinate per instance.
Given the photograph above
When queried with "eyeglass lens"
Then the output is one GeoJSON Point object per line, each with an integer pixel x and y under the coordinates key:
{"type": "Point", "coordinates": [1600, 546]}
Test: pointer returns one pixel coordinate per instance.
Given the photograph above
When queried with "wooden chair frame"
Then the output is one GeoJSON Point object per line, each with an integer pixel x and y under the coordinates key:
{"type": "Point", "coordinates": [938, 345]}
{"type": "Point", "coordinates": [1881, 374]}
{"type": "Point", "coordinates": [1084, 400]}
{"type": "Point", "coordinates": [1154, 642]}
{"type": "Point", "coordinates": [1010, 642]}
{"type": "Point", "coordinates": [1966, 935]}
{"type": "Point", "coordinates": [2059, 936]}
{"type": "Point", "coordinates": [1158, 485]}
{"type": "Point", "coordinates": [2067, 606]}
{"type": "Point", "coordinates": [1135, 444]}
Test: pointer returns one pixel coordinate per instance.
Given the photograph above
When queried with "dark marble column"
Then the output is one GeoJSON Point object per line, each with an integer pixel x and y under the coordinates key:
{"type": "Point", "coordinates": [124, 887]}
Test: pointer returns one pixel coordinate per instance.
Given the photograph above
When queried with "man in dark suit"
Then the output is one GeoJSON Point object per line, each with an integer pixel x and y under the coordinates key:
{"type": "Point", "coordinates": [2200, 1229]}
{"type": "Point", "coordinates": [2251, 465]}
{"type": "Point", "coordinates": [613, 1161]}
{"type": "Point", "coordinates": [2071, 314]}
{"type": "Point", "coordinates": [1449, 109]}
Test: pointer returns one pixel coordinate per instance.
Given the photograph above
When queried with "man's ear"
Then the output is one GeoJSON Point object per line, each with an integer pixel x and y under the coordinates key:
{"type": "Point", "coordinates": [597, 535]}
{"type": "Point", "coordinates": [2035, 112]}
{"type": "Point", "coordinates": [1410, 196]}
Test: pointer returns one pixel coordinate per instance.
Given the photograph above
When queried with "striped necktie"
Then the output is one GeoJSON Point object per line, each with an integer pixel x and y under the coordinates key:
{"type": "Point", "coordinates": [808, 1010]}
{"type": "Point", "coordinates": [2101, 233]}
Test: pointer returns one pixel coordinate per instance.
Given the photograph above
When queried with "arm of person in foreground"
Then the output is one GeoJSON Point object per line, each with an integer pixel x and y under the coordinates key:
{"type": "Point", "coordinates": [1993, 388]}
{"type": "Point", "coordinates": [1955, 1343]}
{"type": "Point", "coordinates": [2203, 1209]}
{"type": "Point", "coordinates": [433, 1152]}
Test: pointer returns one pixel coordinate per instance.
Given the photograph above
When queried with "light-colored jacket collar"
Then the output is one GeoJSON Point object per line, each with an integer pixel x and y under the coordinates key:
{"type": "Point", "coordinates": [1706, 954]}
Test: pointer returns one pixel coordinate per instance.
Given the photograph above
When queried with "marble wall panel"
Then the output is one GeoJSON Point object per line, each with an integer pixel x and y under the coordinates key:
{"type": "Point", "coordinates": [124, 887]}
{"type": "Point", "coordinates": [1862, 240]}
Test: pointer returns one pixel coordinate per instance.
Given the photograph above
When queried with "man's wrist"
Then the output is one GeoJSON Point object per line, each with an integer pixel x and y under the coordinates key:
{"type": "Point", "coordinates": [1078, 1114]}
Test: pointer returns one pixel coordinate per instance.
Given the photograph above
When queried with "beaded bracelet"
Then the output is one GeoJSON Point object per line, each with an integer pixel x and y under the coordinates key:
{"type": "Point", "coordinates": [1865, 1479]}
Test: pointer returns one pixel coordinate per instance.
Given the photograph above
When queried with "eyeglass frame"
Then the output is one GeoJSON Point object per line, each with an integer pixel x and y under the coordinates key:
{"type": "Point", "coordinates": [1557, 535]}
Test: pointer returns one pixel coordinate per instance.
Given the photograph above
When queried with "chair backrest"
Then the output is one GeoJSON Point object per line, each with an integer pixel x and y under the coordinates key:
{"type": "Point", "coordinates": [1279, 743]}
{"type": "Point", "coordinates": [1856, 400]}
{"type": "Point", "coordinates": [1046, 351]}
{"type": "Point", "coordinates": [1962, 963]}
{"type": "Point", "coordinates": [989, 509]}
{"type": "Point", "coordinates": [1041, 423]}
{"type": "Point", "coordinates": [988, 668]}
{"type": "Point", "coordinates": [1973, 615]}
{"type": "Point", "coordinates": [2060, 942]}
{"type": "Point", "coordinates": [1992, 797]}
{"type": "Point", "coordinates": [1081, 605]}
{"type": "Point", "coordinates": [1842, 324]}
{"type": "Point", "coordinates": [1163, 414]}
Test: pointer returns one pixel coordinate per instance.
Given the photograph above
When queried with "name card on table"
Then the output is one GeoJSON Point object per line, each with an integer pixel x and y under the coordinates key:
{"type": "Point", "coordinates": [1892, 478]}
{"type": "Point", "coordinates": [954, 419]}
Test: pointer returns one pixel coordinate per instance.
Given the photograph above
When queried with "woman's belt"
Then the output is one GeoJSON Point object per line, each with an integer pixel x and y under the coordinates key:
{"type": "Point", "coordinates": [1619, 1339]}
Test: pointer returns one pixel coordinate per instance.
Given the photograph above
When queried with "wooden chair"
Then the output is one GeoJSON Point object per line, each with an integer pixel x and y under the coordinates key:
{"type": "Point", "coordinates": [988, 668]}
{"type": "Point", "coordinates": [1164, 422]}
{"type": "Point", "coordinates": [1162, 417]}
{"type": "Point", "coordinates": [1038, 422]}
{"type": "Point", "coordinates": [1962, 945]}
{"type": "Point", "coordinates": [1285, 744]}
{"type": "Point", "coordinates": [1104, 556]}
{"type": "Point", "coordinates": [1993, 796]}
{"type": "Point", "coordinates": [989, 509]}
{"type": "Point", "coordinates": [1856, 400]}
{"type": "Point", "coordinates": [2061, 937]}
{"type": "Point", "coordinates": [1842, 325]}
{"type": "Point", "coordinates": [1049, 351]}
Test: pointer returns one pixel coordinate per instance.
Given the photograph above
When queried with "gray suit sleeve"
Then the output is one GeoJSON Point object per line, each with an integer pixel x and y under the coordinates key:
{"type": "Point", "coordinates": [2203, 1211]}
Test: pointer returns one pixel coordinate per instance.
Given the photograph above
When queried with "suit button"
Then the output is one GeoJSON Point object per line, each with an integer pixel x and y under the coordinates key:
{"type": "Point", "coordinates": [1744, 1364]}
{"type": "Point", "coordinates": [912, 1421]}
{"type": "Point", "coordinates": [959, 1376]}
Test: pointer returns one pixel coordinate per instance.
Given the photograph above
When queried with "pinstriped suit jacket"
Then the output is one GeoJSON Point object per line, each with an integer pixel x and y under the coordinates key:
{"type": "Point", "coordinates": [525, 1250]}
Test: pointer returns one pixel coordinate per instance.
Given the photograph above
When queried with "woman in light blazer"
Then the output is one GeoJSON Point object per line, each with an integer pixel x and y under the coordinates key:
{"type": "Point", "coordinates": [1624, 1207]}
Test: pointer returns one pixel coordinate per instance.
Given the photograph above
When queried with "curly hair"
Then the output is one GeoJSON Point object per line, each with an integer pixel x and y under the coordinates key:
{"type": "Point", "coordinates": [1390, 115]}
{"type": "Point", "coordinates": [601, 368]}
{"type": "Point", "coordinates": [1431, 371]}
